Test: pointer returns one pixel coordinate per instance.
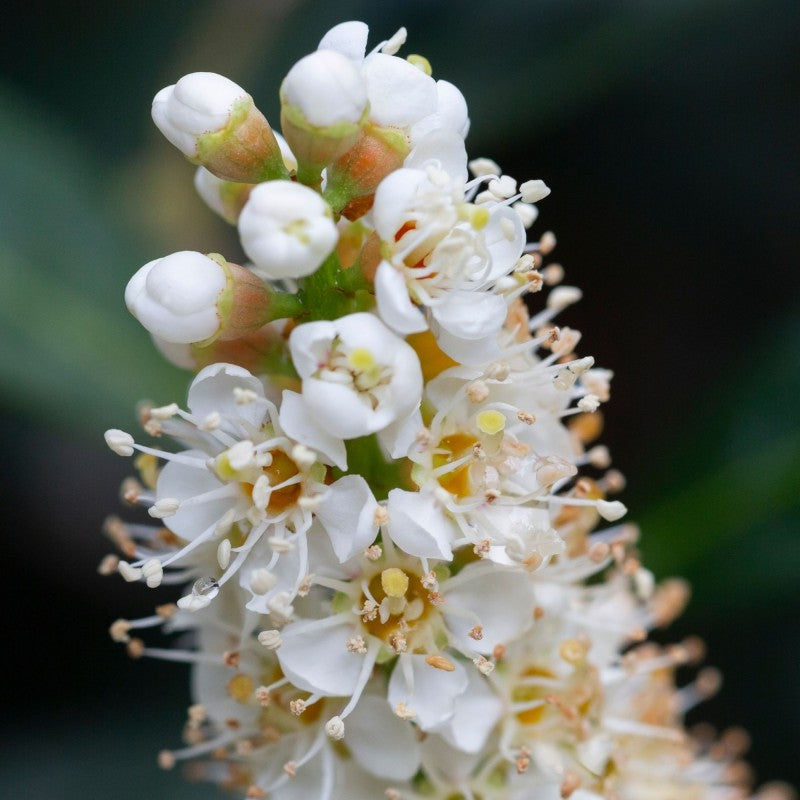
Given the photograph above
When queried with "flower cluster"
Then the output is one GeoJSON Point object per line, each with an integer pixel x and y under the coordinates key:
{"type": "Point", "coordinates": [385, 490]}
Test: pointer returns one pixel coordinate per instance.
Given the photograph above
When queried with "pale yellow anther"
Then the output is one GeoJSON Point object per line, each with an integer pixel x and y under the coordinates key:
{"type": "Point", "coordinates": [394, 582]}
{"type": "Point", "coordinates": [491, 422]}
{"type": "Point", "coordinates": [440, 662]}
{"type": "Point", "coordinates": [241, 688]}
{"type": "Point", "coordinates": [361, 359]}
{"type": "Point", "coordinates": [574, 651]}
{"type": "Point", "coordinates": [479, 217]}
{"type": "Point", "coordinates": [421, 63]}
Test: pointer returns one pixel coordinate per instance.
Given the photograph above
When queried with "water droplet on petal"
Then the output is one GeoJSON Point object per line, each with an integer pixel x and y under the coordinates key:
{"type": "Point", "coordinates": [206, 587]}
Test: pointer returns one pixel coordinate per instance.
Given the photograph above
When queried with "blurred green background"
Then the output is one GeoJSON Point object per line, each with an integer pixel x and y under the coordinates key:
{"type": "Point", "coordinates": [668, 130]}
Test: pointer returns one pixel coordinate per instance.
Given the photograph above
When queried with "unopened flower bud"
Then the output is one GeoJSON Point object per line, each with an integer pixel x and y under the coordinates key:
{"type": "Point", "coordinates": [323, 107]}
{"type": "Point", "coordinates": [214, 122]}
{"type": "Point", "coordinates": [287, 229]}
{"type": "Point", "coordinates": [188, 297]}
{"type": "Point", "coordinates": [354, 177]}
{"type": "Point", "coordinates": [226, 198]}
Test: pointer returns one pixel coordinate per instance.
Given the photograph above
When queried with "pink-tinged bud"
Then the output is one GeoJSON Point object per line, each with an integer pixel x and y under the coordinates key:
{"type": "Point", "coordinates": [323, 107]}
{"type": "Point", "coordinates": [214, 122]}
{"type": "Point", "coordinates": [191, 298]}
{"type": "Point", "coordinates": [354, 177]}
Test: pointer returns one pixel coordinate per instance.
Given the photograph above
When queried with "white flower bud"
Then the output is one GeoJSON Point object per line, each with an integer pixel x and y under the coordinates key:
{"type": "Point", "coordinates": [225, 198]}
{"type": "Point", "coordinates": [326, 88]}
{"type": "Point", "coordinates": [175, 297]}
{"type": "Point", "coordinates": [188, 298]}
{"type": "Point", "coordinates": [287, 229]}
{"type": "Point", "coordinates": [323, 108]}
{"type": "Point", "coordinates": [213, 121]}
{"type": "Point", "coordinates": [198, 103]}
{"type": "Point", "coordinates": [177, 353]}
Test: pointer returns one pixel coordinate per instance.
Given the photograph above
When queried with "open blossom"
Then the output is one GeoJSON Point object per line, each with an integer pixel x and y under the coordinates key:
{"type": "Point", "coordinates": [244, 492]}
{"type": "Point", "coordinates": [358, 378]}
{"type": "Point", "coordinates": [444, 255]}
{"type": "Point", "coordinates": [403, 567]}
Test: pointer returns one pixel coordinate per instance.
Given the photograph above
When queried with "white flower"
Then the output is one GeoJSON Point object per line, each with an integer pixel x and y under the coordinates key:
{"type": "Point", "coordinates": [199, 103]}
{"type": "Point", "coordinates": [358, 377]}
{"type": "Point", "coordinates": [326, 89]}
{"type": "Point", "coordinates": [245, 479]}
{"type": "Point", "coordinates": [286, 229]}
{"type": "Point", "coordinates": [392, 607]}
{"type": "Point", "coordinates": [444, 254]}
{"type": "Point", "coordinates": [175, 297]}
{"type": "Point", "coordinates": [403, 97]}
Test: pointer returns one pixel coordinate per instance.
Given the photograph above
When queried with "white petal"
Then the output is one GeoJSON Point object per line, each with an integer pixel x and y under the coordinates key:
{"type": "Point", "coordinates": [452, 107]}
{"type": "Point", "coordinates": [394, 304]}
{"type": "Point", "coordinates": [327, 88]}
{"type": "Point", "coordinates": [502, 600]}
{"type": "Point", "coordinates": [317, 660]}
{"type": "Point", "coordinates": [347, 38]}
{"type": "Point", "coordinates": [183, 482]}
{"type": "Point", "coordinates": [209, 687]}
{"type": "Point", "coordinates": [380, 742]}
{"type": "Point", "coordinates": [347, 513]}
{"type": "Point", "coordinates": [310, 344]}
{"type": "Point", "coordinates": [399, 93]}
{"type": "Point", "coordinates": [477, 711]}
{"type": "Point", "coordinates": [398, 437]}
{"type": "Point", "coordinates": [505, 237]}
{"type": "Point", "coordinates": [468, 351]}
{"type": "Point", "coordinates": [440, 758]}
{"type": "Point", "coordinates": [314, 779]}
{"type": "Point", "coordinates": [433, 692]}
{"type": "Point", "coordinates": [442, 146]}
{"type": "Point", "coordinates": [394, 198]}
{"type": "Point", "coordinates": [418, 526]}
{"type": "Point", "coordinates": [298, 423]}
{"type": "Point", "coordinates": [471, 315]}
{"type": "Point", "coordinates": [342, 411]}
{"type": "Point", "coordinates": [212, 390]}
{"type": "Point", "coordinates": [440, 389]}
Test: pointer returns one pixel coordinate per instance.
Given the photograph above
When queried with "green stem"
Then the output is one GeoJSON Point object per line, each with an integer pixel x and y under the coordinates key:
{"type": "Point", "coordinates": [284, 305]}
{"type": "Point", "coordinates": [364, 457]}
{"type": "Point", "coordinates": [332, 292]}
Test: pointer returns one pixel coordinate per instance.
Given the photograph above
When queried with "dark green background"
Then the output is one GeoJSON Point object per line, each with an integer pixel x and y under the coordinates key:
{"type": "Point", "coordinates": [669, 133]}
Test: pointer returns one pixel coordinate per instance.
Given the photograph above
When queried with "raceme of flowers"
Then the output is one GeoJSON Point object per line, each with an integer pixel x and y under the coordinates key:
{"type": "Point", "coordinates": [404, 570]}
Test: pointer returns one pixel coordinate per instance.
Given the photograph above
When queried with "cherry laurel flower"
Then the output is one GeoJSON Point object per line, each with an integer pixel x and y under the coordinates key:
{"type": "Point", "coordinates": [401, 566]}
